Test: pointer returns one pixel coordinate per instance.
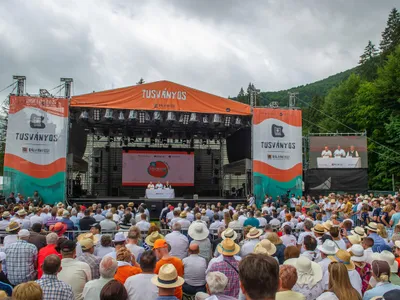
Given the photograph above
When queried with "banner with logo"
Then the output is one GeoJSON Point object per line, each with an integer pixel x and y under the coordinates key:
{"type": "Point", "coordinates": [277, 152]}
{"type": "Point", "coordinates": [36, 147]}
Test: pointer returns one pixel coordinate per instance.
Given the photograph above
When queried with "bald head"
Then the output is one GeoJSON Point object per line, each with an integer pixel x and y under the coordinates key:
{"type": "Point", "coordinates": [51, 265]}
{"type": "Point", "coordinates": [194, 249]}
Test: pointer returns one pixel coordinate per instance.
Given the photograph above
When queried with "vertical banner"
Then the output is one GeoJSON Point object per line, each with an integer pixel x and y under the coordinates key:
{"type": "Point", "coordinates": [277, 152]}
{"type": "Point", "coordinates": [36, 147]}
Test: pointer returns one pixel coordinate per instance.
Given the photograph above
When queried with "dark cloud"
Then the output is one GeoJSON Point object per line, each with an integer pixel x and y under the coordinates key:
{"type": "Point", "coordinates": [217, 46]}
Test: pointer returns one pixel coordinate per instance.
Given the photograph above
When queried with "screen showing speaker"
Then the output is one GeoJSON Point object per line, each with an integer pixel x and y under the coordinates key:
{"type": "Point", "coordinates": [139, 167]}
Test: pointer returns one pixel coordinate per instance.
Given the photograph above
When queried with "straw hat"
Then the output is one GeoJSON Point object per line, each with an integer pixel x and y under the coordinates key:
{"type": "Point", "coordinates": [130, 204]}
{"type": "Point", "coordinates": [319, 228]}
{"type": "Point", "coordinates": [198, 231]}
{"type": "Point", "coordinates": [343, 257]}
{"type": "Point", "coordinates": [228, 247]}
{"type": "Point", "coordinates": [183, 214]}
{"type": "Point", "coordinates": [389, 258]}
{"type": "Point", "coordinates": [359, 231]}
{"type": "Point", "coordinates": [333, 201]}
{"type": "Point", "coordinates": [13, 226]}
{"type": "Point", "coordinates": [59, 228]}
{"type": "Point", "coordinates": [354, 239]}
{"type": "Point", "coordinates": [265, 247]}
{"type": "Point", "coordinates": [203, 211]}
{"type": "Point", "coordinates": [309, 272]}
{"type": "Point", "coordinates": [372, 226]}
{"type": "Point", "coordinates": [21, 212]}
{"type": "Point", "coordinates": [153, 237]}
{"type": "Point", "coordinates": [328, 247]}
{"type": "Point", "coordinates": [397, 244]}
{"type": "Point", "coordinates": [327, 225]}
{"type": "Point", "coordinates": [86, 244]}
{"type": "Point", "coordinates": [357, 253]}
{"type": "Point", "coordinates": [167, 277]}
{"type": "Point", "coordinates": [88, 235]}
{"type": "Point", "coordinates": [6, 214]}
{"type": "Point", "coordinates": [254, 233]}
{"type": "Point", "coordinates": [229, 233]}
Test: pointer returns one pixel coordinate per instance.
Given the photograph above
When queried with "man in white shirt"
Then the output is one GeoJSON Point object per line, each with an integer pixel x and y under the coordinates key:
{"type": "Point", "coordinates": [352, 152]}
{"type": "Point", "coordinates": [215, 225]}
{"type": "Point", "coordinates": [195, 271]}
{"type": "Point", "coordinates": [5, 220]}
{"type": "Point", "coordinates": [36, 218]}
{"type": "Point", "coordinates": [327, 248]}
{"type": "Point", "coordinates": [143, 224]}
{"type": "Point", "coordinates": [74, 272]}
{"type": "Point", "coordinates": [262, 220]}
{"type": "Point", "coordinates": [159, 185]}
{"type": "Point", "coordinates": [184, 222]}
{"type": "Point", "coordinates": [242, 218]}
{"type": "Point", "coordinates": [253, 240]}
{"type": "Point", "coordinates": [150, 186]}
{"type": "Point", "coordinates": [326, 153]}
{"type": "Point", "coordinates": [179, 243]}
{"type": "Point", "coordinates": [140, 287]}
{"type": "Point", "coordinates": [108, 224]}
{"type": "Point", "coordinates": [339, 152]}
{"type": "Point", "coordinates": [108, 268]}
{"type": "Point", "coordinates": [308, 225]}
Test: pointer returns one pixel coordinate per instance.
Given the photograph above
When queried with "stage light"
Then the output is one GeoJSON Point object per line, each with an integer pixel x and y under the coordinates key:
{"type": "Point", "coordinates": [157, 117]}
{"type": "Point", "coordinates": [171, 117]}
{"type": "Point", "coordinates": [164, 141]}
{"type": "Point", "coordinates": [238, 121]}
{"type": "Point", "coordinates": [132, 139]}
{"type": "Point", "coordinates": [109, 114]}
{"type": "Point", "coordinates": [144, 117]}
{"type": "Point", "coordinates": [204, 142]}
{"type": "Point", "coordinates": [132, 115]}
{"type": "Point", "coordinates": [152, 141]}
{"type": "Point", "coordinates": [227, 122]}
{"type": "Point", "coordinates": [111, 139]}
{"type": "Point", "coordinates": [193, 118]}
{"type": "Point", "coordinates": [184, 119]}
{"type": "Point", "coordinates": [184, 141]}
{"type": "Point", "coordinates": [84, 115]}
{"type": "Point", "coordinates": [216, 119]}
{"type": "Point", "coordinates": [96, 114]}
{"type": "Point", "coordinates": [121, 116]}
{"type": "Point", "coordinates": [205, 120]}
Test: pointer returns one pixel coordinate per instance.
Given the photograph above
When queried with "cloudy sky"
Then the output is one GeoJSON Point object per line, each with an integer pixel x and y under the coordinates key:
{"type": "Point", "coordinates": [213, 45]}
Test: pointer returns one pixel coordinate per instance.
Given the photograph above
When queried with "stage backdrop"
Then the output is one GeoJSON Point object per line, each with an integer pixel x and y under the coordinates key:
{"type": "Point", "coordinates": [139, 167]}
{"type": "Point", "coordinates": [36, 146]}
{"type": "Point", "coordinates": [277, 152]}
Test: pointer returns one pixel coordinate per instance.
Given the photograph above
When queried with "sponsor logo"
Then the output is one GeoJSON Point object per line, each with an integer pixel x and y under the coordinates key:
{"type": "Point", "coordinates": [24, 149]}
{"type": "Point", "coordinates": [158, 169]}
{"type": "Point", "coordinates": [278, 157]}
{"type": "Point", "coordinates": [36, 122]}
{"type": "Point", "coordinates": [35, 150]}
{"type": "Point", "coordinates": [163, 94]}
{"type": "Point", "coordinates": [277, 131]}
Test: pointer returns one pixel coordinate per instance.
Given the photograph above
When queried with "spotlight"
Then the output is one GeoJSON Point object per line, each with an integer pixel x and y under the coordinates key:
{"type": "Point", "coordinates": [152, 141]}
{"type": "Point", "coordinates": [205, 120]}
{"type": "Point", "coordinates": [204, 142]}
{"type": "Point", "coordinates": [121, 116]}
{"type": "Point", "coordinates": [184, 141]}
{"type": "Point", "coordinates": [171, 117]}
{"type": "Point", "coordinates": [193, 118]}
{"type": "Point", "coordinates": [109, 114]}
{"type": "Point", "coordinates": [184, 119]}
{"type": "Point", "coordinates": [217, 119]}
{"type": "Point", "coordinates": [133, 116]}
{"type": "Point", "coordinates": [227, 122]}
{"type": "Point", "coordinates": [84, 115]}
{"type": "Point", "coordinates": [96, 114]}
{"type": "Point", "coordinates": [157, 117]}
{"type": "Point", "coordinates": [238, 121]}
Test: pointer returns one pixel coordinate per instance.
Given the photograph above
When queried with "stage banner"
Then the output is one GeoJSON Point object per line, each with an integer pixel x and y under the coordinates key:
{"type": "Point", "coordinates": [277, 152]}
{"type": "Point", "coordinates": [36, 147]}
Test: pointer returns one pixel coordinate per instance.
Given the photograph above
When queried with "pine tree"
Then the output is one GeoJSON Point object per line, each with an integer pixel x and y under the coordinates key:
{"type": "Point", "coordinates": [391, 34]}
{"type": "Point", "coordinates": [241, 92]}
{"type": "Point", "coordinates": [369, 53]}
{"type": "Point", "coordinates": [141, 81]}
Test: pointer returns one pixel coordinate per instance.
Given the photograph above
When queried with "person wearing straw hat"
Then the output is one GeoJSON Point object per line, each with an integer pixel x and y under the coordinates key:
{"type": "Point", "coordinates": [381, 273]}
{"type": "Point", "coordinates": [229, 233]}
{"type": "Point", "coordinates": [309, 279]}
{"type": "Point", "coordinates": [199, 232]}
{"type": "Point", "coordinates": [359, 231]}
{"type": "Point", "coordinates": [183, 221]}
{"type": "Point", "coordinates": [228, 266]}
{"type": "Point", "coordinates": [249, 245]}
{"type": "Point", "coordinates": [362, 267]}
{"type": "Point", "coordinates": [393, 264]}
{"type": "Point", "coordinates": [152, 238]}
{"type": "Point", "coordinates": [161, 250]}
{"type": "Point", "coordinates": [326, 249]}
{"type": "Point", "coordinates": [379, 242]}
{"type": "Point", "coordinates": [266, 247]}
{"type": "Point", "coordinates": [168, 281]}
{"type": "Point", "coordinates": [5, 220]}
{"type": "Point", "coordinates": [87, 246]}
{"type": "Point", "coordinates": [319, 231]}
{"type": "Point", "coordinates": [12, 230]}
{"type": "Point", "coordinates": [353, 240]}
{"type": "Point", "coordinates": [344, 257]}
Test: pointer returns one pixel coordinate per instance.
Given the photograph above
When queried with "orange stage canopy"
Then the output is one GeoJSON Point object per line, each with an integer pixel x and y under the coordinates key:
{"type": "Point", "coordinates": [162, 96]}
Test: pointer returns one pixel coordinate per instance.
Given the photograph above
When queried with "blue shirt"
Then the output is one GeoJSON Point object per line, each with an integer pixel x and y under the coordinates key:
{"type": "Point", "coordinates": [380, 289]}
{"type": "Point", "coordinates": [166, 298]}
{"type": "Point", "coordinates": [70, 224]}
{"type": "Point", "coordinates": [6, 287]}
{"type": "Point", "coordinates": [253, 222]}
{"type": "Point", "coordinates": [395, 219]}
{"type": "Point", "coordinates": [379, 243]}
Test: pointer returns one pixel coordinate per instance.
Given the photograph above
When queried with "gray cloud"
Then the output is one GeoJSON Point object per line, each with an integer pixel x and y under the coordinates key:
{"type": "Point", "coordinates": [216, 46]}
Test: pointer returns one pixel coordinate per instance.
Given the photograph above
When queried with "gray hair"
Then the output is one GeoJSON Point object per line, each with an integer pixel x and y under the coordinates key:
{"type": "Point", "coordinates": [51, 238]}
{"type": "Point", "coordinates": [216, 282]}
{"type": "Point", "coordinates": [201, 296]}
{"type": "Point", "coordinates": [176, 227]}
{"type": "Point", "coordinates": [108, 267]}
{"type": "Point", "coordinates": [308, 224]}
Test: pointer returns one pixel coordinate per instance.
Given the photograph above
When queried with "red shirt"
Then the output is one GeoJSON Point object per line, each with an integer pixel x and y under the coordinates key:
{"type": "Point", "coordinates": [43, 253]}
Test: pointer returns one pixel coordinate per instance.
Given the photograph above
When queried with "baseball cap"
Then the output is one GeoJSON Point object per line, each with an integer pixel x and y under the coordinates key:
{"type": "Point", "coordinates": [68, 246]}
{"type": "Point", "coordinates": [160, 243]}
{"type": "Point", "coordinates": [96, 225]}
{"type": "Point", "coordinates": [24, 233]}
{"type": "Point", "coordinates": [86, 244]}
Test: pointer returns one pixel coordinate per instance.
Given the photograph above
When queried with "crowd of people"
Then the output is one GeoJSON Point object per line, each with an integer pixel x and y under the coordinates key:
{"type": "Point", "coordinates": [336, 247]}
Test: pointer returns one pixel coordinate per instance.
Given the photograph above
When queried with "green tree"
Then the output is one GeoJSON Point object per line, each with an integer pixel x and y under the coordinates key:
{"type": "Point", "coordinates": [312, 115]}
{"type": "Point", "coordinates": [241, 97]}
{"type": "Point", "coordinates": [391, 34]}
{"type": "Point", "coordinates": [369, 62]}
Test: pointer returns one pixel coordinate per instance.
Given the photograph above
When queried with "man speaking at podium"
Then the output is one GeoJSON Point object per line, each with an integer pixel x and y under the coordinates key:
{"type": "Point", "coordinates": [339, 152]}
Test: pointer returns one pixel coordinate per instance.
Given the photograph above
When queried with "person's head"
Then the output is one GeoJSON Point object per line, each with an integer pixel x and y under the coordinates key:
{"type": "Point", "coordinates": [87, 245]}
{"type": "Point", "coordinates": [216, 217]}
{"type": "Point", "coordinates": [262, 284]}
{"type": "Point", "coordinates": [338, 147]}
{"type": "Point", "coordinates": [160, 248]}
{"type": "Point", "coordinates": [113, 290]}
{"type": "Point", "coordinates": [367, 243]}
{"type": "Point", "coordinates": [274, 238]}
{"type": "Point", "coordinates": [95, 228]}
{"type": "Point", "coordinates": [37, 227]}
{"type": "Point", "coordinates": [287, 276]}
{"type": "Point", "coordinates": [27, 291]}
{"type": "Point", "coordinates": [136, 231]}
{"type": "Point", "coordinates": [287, 229]}
{"type": "Point", "coordinates": [310, 243]}
{"type": "Point", "coordinates": [291, 252]}
{"type": "Point", "coordinates": [24, 235]}
{"type": "Point", "coordinates": [106, 240]}
{"type": "Point", "coordinates": [334, 231]}
{"type": "Point", "coordinates": [54, 211]}
{"type": "Point", "coordinates": [194, 249]}
{"type": "Point", "coordinates": [176, 227]}
{"type": "Point", "coordinates": [308, 225]}
{"type": "Point", "coordinates": [68, 249]}
{"type": "Point", "coordinates": [347, 225]}
{"type": "Point", "coordinates": [143, 217]}
{"type": "Point", "coordinates": [376, 204]}
{"type": "Point", "coordinates": [87, 213]}
{"type": "Point", "coordinates": [51, 265]}
{"type": "Point", "coordinates": [380, 270]}
{"type": "Point", "coordinates": [339, 282]}
{"type": "Point", "coordinates": [326, 148]}
{"type": "Point", "coordinates": [52, 238]}
{"type": "Point", "coordinates": [382, 231]}
{"type": "Point", "coordinates": [124, 255]}
{"type": "Point", "coordinates": [216, 282]}
{"type": "Point", "coordinates": [108, 267]}
{"type": "Point", "coordinates": [148, 261]}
